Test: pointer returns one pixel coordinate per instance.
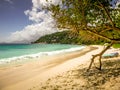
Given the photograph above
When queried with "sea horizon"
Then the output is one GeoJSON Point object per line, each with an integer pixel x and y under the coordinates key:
{"type": "Point", "coordinates": [13, 52]}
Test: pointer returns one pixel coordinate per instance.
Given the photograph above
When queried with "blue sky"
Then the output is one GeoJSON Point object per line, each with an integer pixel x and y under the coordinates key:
{"type": "Point", "coordinates": [24, 21]}
{"type": "Point", "coordinates": [12, 17]}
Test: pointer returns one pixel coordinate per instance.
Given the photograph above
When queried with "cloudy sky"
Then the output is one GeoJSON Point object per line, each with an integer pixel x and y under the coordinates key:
{"type": "Point", "coordinates": [24, 21]}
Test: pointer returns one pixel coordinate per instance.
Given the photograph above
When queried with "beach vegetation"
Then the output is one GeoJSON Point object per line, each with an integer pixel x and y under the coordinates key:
{"type": "Point", "coordinates": [91, 19]}
{"type": "Point", "coordinates": [116, 45]}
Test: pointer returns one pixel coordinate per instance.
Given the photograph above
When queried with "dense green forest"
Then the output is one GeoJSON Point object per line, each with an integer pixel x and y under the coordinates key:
{"type": "Point", "coordinates": [67, 37]}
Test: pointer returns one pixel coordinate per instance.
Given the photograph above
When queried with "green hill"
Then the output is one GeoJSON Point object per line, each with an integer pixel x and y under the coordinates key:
{"type": "Point", "coordinates": [65, 37]}
{"type": "Point", "coordinates": [58, 37]}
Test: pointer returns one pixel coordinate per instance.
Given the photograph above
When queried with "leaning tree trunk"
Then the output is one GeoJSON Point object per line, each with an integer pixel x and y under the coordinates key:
{"type": "Point", "coordinates": [100, 56]}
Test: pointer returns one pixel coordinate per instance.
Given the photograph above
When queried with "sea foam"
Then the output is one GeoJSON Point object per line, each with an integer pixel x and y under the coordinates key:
{"type": "Point", "coordinates": [37, 55]}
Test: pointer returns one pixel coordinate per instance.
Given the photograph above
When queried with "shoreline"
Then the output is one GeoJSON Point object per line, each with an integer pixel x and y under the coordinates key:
{"type": "Point", "coordinates": [25, 58]}
{"type": "Point", "coordinates": [79, 79]}
{"type": "Point", "coordinates": [30, 75]}
{"type": "Point", "coordinates": [21, 73]}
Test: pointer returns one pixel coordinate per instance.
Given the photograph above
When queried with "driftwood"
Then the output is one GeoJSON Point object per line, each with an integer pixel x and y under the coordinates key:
{"type": "Point", "coordinates": [99, 57]}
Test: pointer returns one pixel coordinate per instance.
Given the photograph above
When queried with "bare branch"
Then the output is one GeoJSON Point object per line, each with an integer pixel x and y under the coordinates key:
{"type": "Point", "coordinates": [100, 56]}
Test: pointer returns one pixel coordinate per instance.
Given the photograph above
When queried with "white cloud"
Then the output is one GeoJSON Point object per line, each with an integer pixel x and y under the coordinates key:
{"type": "Point", "coordinates": [1, 39]}
{"type": "Point", "coordinates": [37, 14]}
{"type": "Point", "coordinates": [43, 23]}
{"type": "Point", "coordinates": [32, 32]}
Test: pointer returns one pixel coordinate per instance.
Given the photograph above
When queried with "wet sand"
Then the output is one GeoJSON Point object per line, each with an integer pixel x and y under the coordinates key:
{"type": "Point", "coordinates": [51, 74]}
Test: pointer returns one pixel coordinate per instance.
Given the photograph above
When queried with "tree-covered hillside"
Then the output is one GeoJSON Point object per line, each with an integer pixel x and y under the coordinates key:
{"type": "Point", "coordinates": [66, 37]}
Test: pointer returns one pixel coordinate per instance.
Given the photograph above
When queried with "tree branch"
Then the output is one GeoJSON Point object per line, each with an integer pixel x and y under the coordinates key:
{"type": "Point", "coordinates": [100, 56]}
{"type": "Point", "coordinates": [102, 36]}
{"type": "Point", "coordinates": [107, 13]}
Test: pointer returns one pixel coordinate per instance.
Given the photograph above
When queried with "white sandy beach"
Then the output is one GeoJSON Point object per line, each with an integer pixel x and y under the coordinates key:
{"type": "Point", "coordinates": [30, 75]}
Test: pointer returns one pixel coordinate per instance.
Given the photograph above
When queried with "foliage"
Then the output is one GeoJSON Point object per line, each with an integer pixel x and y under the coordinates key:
{"type": "Point", "coordinates": [90, 18]}
{"type": "Point", "coordinates": [116, 45]}
{"type": "Point", "coordinates": [65, 37]}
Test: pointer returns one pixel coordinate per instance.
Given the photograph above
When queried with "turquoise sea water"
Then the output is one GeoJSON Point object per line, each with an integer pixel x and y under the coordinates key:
{"type": "Point", "coordinates": [14, 51]}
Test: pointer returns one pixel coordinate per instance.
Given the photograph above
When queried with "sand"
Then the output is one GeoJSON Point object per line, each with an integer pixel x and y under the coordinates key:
{"type": "Point", "coordinates": [60, 72]}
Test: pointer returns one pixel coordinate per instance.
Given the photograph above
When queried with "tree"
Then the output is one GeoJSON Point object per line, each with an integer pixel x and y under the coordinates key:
{"type": "Point", "coordinates": [93, 18]}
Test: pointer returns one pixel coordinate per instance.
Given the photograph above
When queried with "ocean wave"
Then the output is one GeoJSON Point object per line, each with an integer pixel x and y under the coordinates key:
{"type": "Point", "coordinates": [37, 55]}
